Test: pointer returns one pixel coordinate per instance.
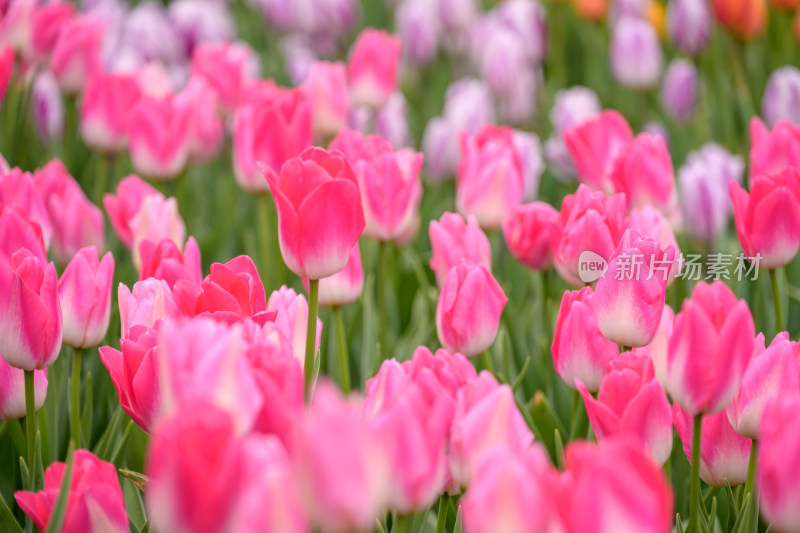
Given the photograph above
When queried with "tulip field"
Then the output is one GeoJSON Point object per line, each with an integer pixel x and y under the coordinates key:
{"type": "Point", "coordinates": [400, 266]}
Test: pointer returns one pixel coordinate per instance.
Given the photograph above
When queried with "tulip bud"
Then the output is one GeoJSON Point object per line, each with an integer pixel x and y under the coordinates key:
{"type": "Point", "coordinates": [679, 89]}
{"type": "Point", "coordinates": [418, 26]}
{"type": "Point", "coordinates": [372, 67]}
{"type": "Point", "coordinates": [782, 96]}
{"type": "Point", "coordinates": [778, 487]}
{"type": "Point", "coordinates": [77, 52]}
{"type": "Point", "coordinates": [453, 239]}
{"type": "Point", "coordinates": [166, 261]}
{"type": "Point", "coordinates": [345, 286]}
{"type": "Point", "coordinates": [157, 219]}
{"type": "Point", "coordinates": [644, 173]}
{"type": "Point", "coordinates": [12, 394]}
{"type": "Point", "coordinates": [292, 319]}
{"type": "Point", "coordinates": [772, 151]}
{"type": "Point", "coordinates": [18, 189]}
{"type": "Point", "coordinates": [106, 110]}
{"type": "Point", "coordinates": [150, 300]}
{"type": "Point", "coordinates": [636, 57]}
{"type": "Point", "coordinates": [227, 67]}
{"type": "Point", "coordinates": [531, 234]}
{"type": "Point", "coordinates": [158, 133]}
{"type": "Point", "coordinates": [47, 108]}
{"type": "Point", "coordinates": [48, 21]}
{"type": "Point", "coordinates": [595, 145]}
{"type": "Point", "coordinates": [85, 294]}
{"type": "Point", "coordinates": [123, 207]}
{"type": "Point", "coordinates": [689, 23]}
{"type": "Point", "coordinates": [325, 87]}
{"type": "Point", "coordinates": [206, 126]}
{"type": "Point", "coordinates": [747, 19]}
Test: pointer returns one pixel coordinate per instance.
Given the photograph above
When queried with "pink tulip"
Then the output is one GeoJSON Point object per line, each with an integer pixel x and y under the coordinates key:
{"type": "Point", "coordinates": [48, 21]}
{"type": "Point", "coordinates": [440, 373]}
{"type": "Point", "coordinates": [413, 433]}
{"type": "Point", "coordinates": [512, 492]}
{"type": "Point", "coordinates": [778, 461]}
{"type": "Point", "coordinates": [165, 261]}
{"type": "Point", "coordinates": [12, 390]}
{"type": "Point", "coordinates": [150, 300]}
{"type": "Point", "coordinates": [6, 69]}
{"type": "Point", "coordinates": [325, 87]}
{"type": "Point", "coordinates": [724, 454]}
{"type": "Point", "coordinates": [340, 468]}
{"type": "Point", "coordinates": [232, 291]}
{"type": "Point", "coordinates": [345, 286]}
{"type": "Point", "coordinates": [135, 374]}
{"type": "Point", "coordinates": [651, 223]}
{"type": "Point", "coordinates": [454, 238]}
{"type": "Point", "coordinates": [84, 291]}
{"type": "Point", "coordinates": [123, 207]}
{"type": "Point", "coordinates": [773, 372]}
{"type": "Point", "coordinates": [772, 151]}
{"type": "Point", "coordinates": [590, 222]}
{"type": "Point", "coordinates": [643, 171]}
{"type": "Point", "coordinates": [631, 402]}
{"type": "Point", "coordinates": [227, 68]}
{"type": "Point", "coordinates": [77, 52]}
{"type": "Point", "coordinates": [489, 180]}
{"type": "Point", "coordinates": [158, 133]}
{"type": "Point", "coordinates": [30, 315]}
{"type": "Point", "coordinates": [106, 111]}
{"type": "Point", "coordinates": [206, 125]}
{"type": "Point", "coordinates": [486, 416]}
{"type": "Point", "coordinates": [372, 67]}
{"type": "Point", "coordinates": [531, 232]}
{"type": "Point", "coordinates": [291, 320]}
{"type": "Point", "coordinates": [469, 309]}
{"type": "Point", "coordinates": [777, 236]}
{"type": "Point", "coordinates": [17, 232]}
{"type": "Point", "coordinates": [710, 347]}
{"type": "Point", "coordinates": [595, 145]}
{"type": "Point", "coordinates": [154, 80]}
{"type": "Point", "coordinates": [320, 217]}
{"type": "Point", "coordinates": [579, 348]}
{"type": "Point", "coordinates": [615, 486]}
{"type": "Point", "coordinates": [658, 349]}
{"type": "Point", "coordinates": [388, 182]}
{"type": "Point", "coordinates": [94, 502]}
{"type": "Point", "coordinates": [157, 219]}
{"type": "Point", "coordinates": [202, 360]}
{"type": "Point", "coordinates": [629, 297]}
{"type": "Point", "coordinates": [77, 222]}
{"type": "Point", "coordinates": [18, 189]}
{"type": "Point", "coordinates": [271, 131]}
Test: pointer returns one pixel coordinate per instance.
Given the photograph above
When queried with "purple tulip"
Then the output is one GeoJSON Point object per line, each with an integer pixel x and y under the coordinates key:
{"type": "Point", "coordinates": [148, 31]}
{"type": "Point", "coordinates": [689, 23]}
{"type": "Point", "coordinates": [201, 21]}
{"type": "Point", "coordinates": [418, 25]}
{"type": "Point", "coordinates": [572, 106]}
{"type": "Point", "coordinates": [679, 89]}
{"type": "Point", "coordinates": [48, 109]}
{"type": "Point", "coordinates": [782, 96]}
{"type": "Point", "coordinates": [527, 18]}
{"type": "Point", "coordinates": [635, 54]}
{"type": "Point", "coordinates": [628, 8]}
{"type": "Point", "coordinates": [391, 121]}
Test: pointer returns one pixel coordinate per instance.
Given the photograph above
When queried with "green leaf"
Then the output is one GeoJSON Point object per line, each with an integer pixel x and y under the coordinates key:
{"type": "Point", "coordinates": [459, 526]}
{"type": "Point", "coordinates": [25, 474]}
{"type": "Point", "coordinates": [712, 516]}
{"type": "Point", "coordinates": [678, 523]}
{"type": "Point", "coordinates": [559, 446]}
{"type": "Point", "coordinates": [120, 442]}
{"type": "Point", "coordinates": [60, 509]}
{"type": "Point", "coordinates": [87, 412]}
{"type": "Point", "coordinates": [134, 477]}
{"type": "Point", "coordinates": [104, 445]}
{"type": "Point", "coordinates": [521, 376]}
{"type": "Point", "coordinates": [7, 521]}
{"type": "Point", "coordinates": [38, 469]}
{"type": "Point", "coordinates": [379, 527]}
{"type": "Point", "coordinates": [134, 504]}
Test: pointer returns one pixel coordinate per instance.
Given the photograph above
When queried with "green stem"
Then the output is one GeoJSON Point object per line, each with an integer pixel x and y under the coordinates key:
{"type": "Point", "coordinates": [19, 125]}
{"type": "Point", "coordinates": [776, 299]}
{"type": "Point", "coordinates": [694, 479]}
{"type": "Point", "coordinates": [578, 416]}
{"type": "Point", "coordinates": [30, 422]}
{"type": "Point", "coordinates": [311, 336]}
{"type": "Point", "coordinates": [383, 273]}
{"type": "Point", "coordinates": [402, 523]}
{"type": "Point", "coordinates": [486, 360]}
{"type": "Point", "coordinates": [265, 237]}
{"type": "Point", "coordinates": [75, 398]}
{"type": "Point", "coordinates": [441, 517]}
{"type": "Point", "coordinates": [101, 178]}
{"type": "Point", "coordinates": [344, 357]}
{"type": "Point", "coordinates": [749, 488]}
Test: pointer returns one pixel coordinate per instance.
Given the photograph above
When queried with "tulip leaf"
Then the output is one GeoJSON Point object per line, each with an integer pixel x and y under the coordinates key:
{"type": "Point", "coordinates": [134, 504]}
{"type": "Point", "coordinates": [135, 477]}
{"type": "Point", "coordinates": [741, 520]}
{"type": "Point", "coordinates": [712, 516]}
{"type": "Point", "coordinates": [7, 521]}
{"type": "Point", "coordinates": [678, 523]}
{"type": "Point", "coordinates": [38, 469]}
{"type": "Point", "coordinates": [459, 526]}
{"type": "Point", "coordinates": [379, 527]}
{"type": "Point", "coordinates": [732, 497]}
{"type": "Point", "coordinates": [518, 381]}
{"type": "Point", "coordinates": [25, 474]}
{"type": "Point", "coordinates": [121, 441]}
{"type": "Point", "coordinates": [56, 521]}
{"type": "Point", "coordinates": [102, 449]}
{"type": "Point", "coordinates": [559, 447]}
{"type": "Point", "coordinates": [87, 411]}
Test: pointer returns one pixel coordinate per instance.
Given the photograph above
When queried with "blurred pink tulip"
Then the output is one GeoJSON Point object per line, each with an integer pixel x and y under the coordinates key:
{"type": "Point", "coordinates": [77, 52]}
{"type": "Point", "coordinates": [320, 217]}
{"type": "Point", "coordinates": [206, 125]}
{"type": "Point", "coordinates": [150, 300]}
{"type": "Point", "coordinates": [772, 151]}
{"type": "Point", "coordinates": [453, 238]}
{"type": "Point", "coordinates": [19, 189]}
{"type": "Point", "coordinates": [629, 297]}
{"type": "Point", "coordinates": [631, 402]}
{"type": "Point", "coordinates": [776, 237]}
{"type": "Point", "coordinates": [778, 459]}
{"type": "Point", "coordinates": [157, 219]}
{"type": "Point", "coordinates": [291, 320]}
{"type": "Point", "coordinates": [77, 222]}
{"type": "Point", "coordinates": [106, 111]}
{"type": "Point", "coordinates": [531, 232]}
{"type": "Point", "coordinates": [469, 309]}
{"type": "Point", "coordinates": [123, 207]}
{"type": "Point", "coordinates": [724, 454]}
{"type": "Point", "coordinates": [773, 372]}
{"type": "Point", "coordinates": [388, 182]}
{"type": "Point", "coordinates": [325, 87]}
{"type": "Point", "coordinates": [513, 493]}
{"type": "Point", "coordinates": [486, 416]}
{"type": "Point", "coordinates": [6, 69]}
{"type": "Point", "coordinates": [651, 223]}
{"type": "Point", "coordinates": [94, 500]}
{"type": "Point", "coordinates": [48, 21]}
{"type": "Point", "coordinates": [711, 344]}
{"type": "Point", "coordinates": [590, 222]}
{"type": "Point", "coordinates": [226, 67]}
{"type": "Point", "coordinates": [270, 131]}
{"type": "Point", "coordinates": [30, 315]}
{"type": "Point", "coordinates": [84, 291]}
{"type": "Point", "coordinates": [134, 370]}
{"type": "Point", "coordinates": [615, 486]}
{"type": "Point", "coordinates": [231, 291]}
{"type": "Point", "coordinates": [489, 180]}
{"type": "Point", "coordinates": [17, 232]}
{"type": "Point", "coordinates": [166, 261]}
{"type": "Point", "coordinates": [373, 66]}
{"type": "Point", "coordinates": [579, 348]}
{"type": "Point", "coordinates": [12, 390]}
{"type": "Point", "coordinates": [340, 468]}
{"type": "Point", "coordinates": [158, 134]}
{"type": "Point", "coordinates": [439, 373]}
{"type": "Point", "coordinates": [595, 145]}
{"type": "Point", "coordinates": [658, 349]}
{"type": "Point", "coordinates": [643, 171]}
{"type": "Point", "coordinates": [345, 286]}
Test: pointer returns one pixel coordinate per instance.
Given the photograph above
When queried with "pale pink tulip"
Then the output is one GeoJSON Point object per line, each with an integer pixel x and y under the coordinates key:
{"type": "Point", "coordinates": [531, 232]}
{"type": "Point", "coordinates": [291, 320]}
{"type": "Point", "coordinates": [84, 291]}
{"type": "Point", "coordinates": [157, 219]}
{"type": "Point", "coordinates": [166, 261]}
{"type": "Point", "coordinates": [373, 66]}
{"type": "Point", "coordinates": [106, 110]}
{"type": "Point", "coordinates": [595, 145]}
{"type": "Point", "coordinates": [778, 460]}
{"type": "Point", "coordinates": [158, 134]}
{"type": "Point", "coordinates": [12, 390]}
{"type": "Point", "coordinates": [123, 207]}
{"type": "Point", "coordinates": [325, 87]}
{"type": "Point", "coordinates": [345, 286]}
{"type": "Point", "coordinates": [150, 300]}
{"type": "Point", "coordinates": [77, 52]}
{"type": "Point", "coordinates": [453, 238]}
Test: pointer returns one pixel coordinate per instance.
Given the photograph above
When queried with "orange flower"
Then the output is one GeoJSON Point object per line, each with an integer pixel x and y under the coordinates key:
{"type": "Point", "coordinates": [591, 9]}
{"type": "Point", "coordinates": [745, 18]}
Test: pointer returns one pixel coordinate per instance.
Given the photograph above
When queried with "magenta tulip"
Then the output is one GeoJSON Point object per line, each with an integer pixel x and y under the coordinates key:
{"type": "Point", "coordinates": [452, 239]}
{"type": "Point", "coordinates": [158, 134]}
{"type": "Point", "coordinates": [773, 151]}
{"type": "Point", "coordinates": [595, 144]}
{"type": "Point", "coordinates": [84, 291]}
{"type": "Point", "coordinates": [166, 261]}
{"type": "Point", "coordinates": [150, 301]}
{"type": "Point", "coordinates": [531, 233]}
{"type": "Point", "coordinates": [77, 52]}
{"type": "Point", "coordinates": [643, 171]}
{"type": "Point", "coordinates": [325, 87]}
{"type": "Point", "coordinates": [291, 320]}
{"type": "Point", "coordinates": [123, 207]}
{"type": "Point", "coordinates": [778, 460]}
{"type": "Point", "coordinates": [106, 110]}
{"type": "Point", "coordinates": [372, 67]}
{"type": "Point", "coordinates": [12, 390]}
